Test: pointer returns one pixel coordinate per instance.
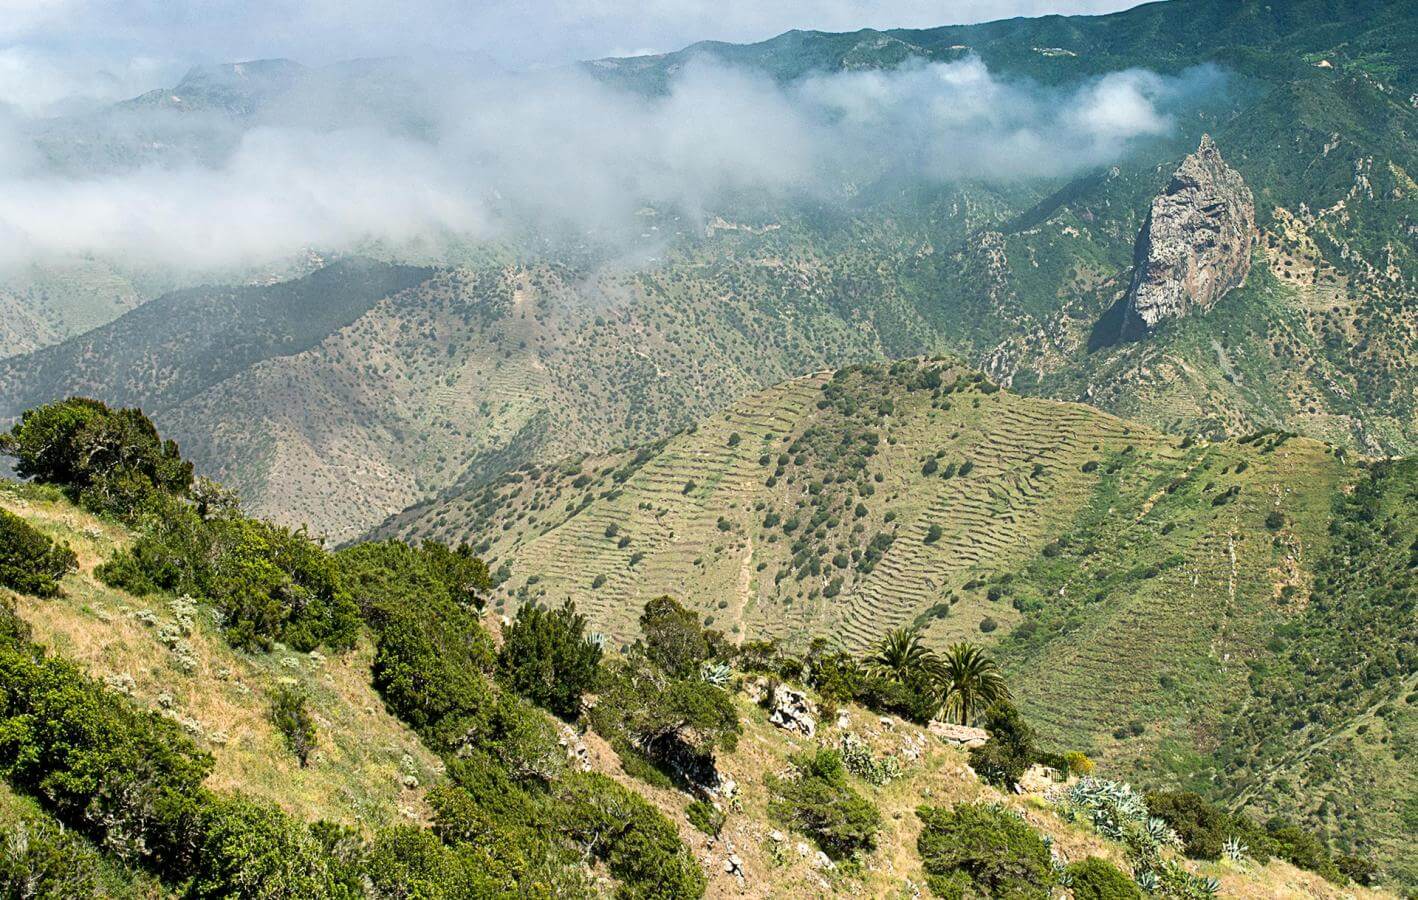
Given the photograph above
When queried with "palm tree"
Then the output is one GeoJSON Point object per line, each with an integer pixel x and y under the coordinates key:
{"type": "Point", "coordinates": [970, 683]}
{"type": "Point", "coordinates": [902, 656]}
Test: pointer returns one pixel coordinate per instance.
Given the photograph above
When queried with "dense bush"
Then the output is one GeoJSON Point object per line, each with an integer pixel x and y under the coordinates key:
{"type": "Point", "coordinates": [547, 657]}
{"type": "Point", "coordinates": [1097, 879]}
{"type": "Point", "coordinates": [30, 562]}
{"type": "Point", "coordinates": [674, 640]}
{"type": "Point", "coordinates": [1202, 826]}
{"type": "Point", "coordinates": [125, 777]}
{"type": "Point", "coordinates": [979, 850]}
{"type": "Point", "coordinates": [110, 460]}
{"type": "Point", "coordinates": [290, 713]}
{"type": "Point", "coordinates": [1010, 749]}
{"type": "Point", "coordinates": [639, 846]}
{"type": "Point", "coordinates": [817, 801]}
{"type": "Point", "coordinates": [269, 583]}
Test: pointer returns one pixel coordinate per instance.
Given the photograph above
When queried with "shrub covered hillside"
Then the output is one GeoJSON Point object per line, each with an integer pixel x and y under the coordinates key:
{"type": "Point", "coordinates": [1150, 596]}
{"type": "Point", "coordinates": [195, 702]}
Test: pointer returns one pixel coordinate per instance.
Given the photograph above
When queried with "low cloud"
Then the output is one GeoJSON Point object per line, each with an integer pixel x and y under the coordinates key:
{"type": "Point", "coordinates": [432, 153]}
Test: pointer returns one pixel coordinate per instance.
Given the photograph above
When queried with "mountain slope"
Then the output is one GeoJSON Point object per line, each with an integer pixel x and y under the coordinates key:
{"type": "Point", "coordinates": [1133, 584]}
{"type": "Point", "coordinates": [169, 655]}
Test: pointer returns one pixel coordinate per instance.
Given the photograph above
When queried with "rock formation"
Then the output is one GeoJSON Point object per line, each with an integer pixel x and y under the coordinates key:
{"type": "Point", "coordinates": [1195, 246]}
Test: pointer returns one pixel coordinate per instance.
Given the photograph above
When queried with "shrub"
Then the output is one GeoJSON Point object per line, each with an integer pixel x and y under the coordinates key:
{"type": "Point", "coordinates": [246, 848]}
{"type": "Point", "coordinates": [979, 850]}
{"type": "Point", "coordinates": [861, 762]}
{"type": "Point", "coordinates": [270, 583]}
{"type": "Point", "coordinates": [817, 801]}
{"type": "Point", "coordinates": [705, 816]}
{"type": "Point", "coordinates": [30, 562]}
{"type": "Point", "coordinates": [1010, 749]}
{"type": "Point", "coordinates": [1202, 826]}
{"type": "Point", "coordinates": [639, 846]}
{"type": "Point", "coordinates": [290, 713]}
{"type": "Point", "coordinates": [547, 657]}
{"type": "Point", "coordinates": [674, 640]}
{"type": "Point", "coordinates": [1077, 762]}
{"type": "Point", "coordinates": [1097, 879]}
{"type": "Point", "coordinates": [110, 460]}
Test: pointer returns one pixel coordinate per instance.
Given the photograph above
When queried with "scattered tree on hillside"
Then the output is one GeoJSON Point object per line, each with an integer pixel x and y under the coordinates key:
{"type": "Point", "coordinates": [29, 561]}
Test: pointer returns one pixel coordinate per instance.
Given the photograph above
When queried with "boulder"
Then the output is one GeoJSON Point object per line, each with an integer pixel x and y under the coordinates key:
{"type": "Point", "coordinates": [792, 711]}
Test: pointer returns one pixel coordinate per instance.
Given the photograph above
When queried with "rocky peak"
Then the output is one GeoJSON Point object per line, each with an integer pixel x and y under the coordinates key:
{"type": "Point", "coordinates": [1195, 246]}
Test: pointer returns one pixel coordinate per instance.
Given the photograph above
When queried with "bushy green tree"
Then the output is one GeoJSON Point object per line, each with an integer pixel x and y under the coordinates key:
{"type": "Point", "coordinates": [817, 801]}
{"type": "Point", "coordinates": [30, 562]}
{"type": "Point", "coordinates": [547, 657]}
{"type": "Point", "coordinates": [674, 640]}
{"type": "Point", "coordinates": [250, 849]}
{"type": "Point", "coordinates": [978, 850]}
{"type": "Point", "coordinates": [679, 723]}
{"type": "Point", "coordinates": [1010, 749]}
{"type": "Point", "coordinates": [111, 460]}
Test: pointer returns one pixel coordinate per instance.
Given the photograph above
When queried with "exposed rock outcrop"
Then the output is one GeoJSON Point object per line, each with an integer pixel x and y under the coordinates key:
{"type": "Point", "coordinates": [1195, 246]}
{"type": "Point", "coordinates": [958, 735]}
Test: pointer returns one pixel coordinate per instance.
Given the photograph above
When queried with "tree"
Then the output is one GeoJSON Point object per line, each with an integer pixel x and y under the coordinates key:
{"type": "Point", "coordinates": [970, 683]}
{"type": "Point", "coordinates": [547, 657]}
{"type": "Point", "coordinates": [111, 460]}
{"type": "Point", "coordinates": [674, 641]}
{"type": "Point", "coordinates": [902, 655]}
{"type": "Point", "coordinates": [29, 561]}
{"type": "Point", "coordinates": [1010, 749]}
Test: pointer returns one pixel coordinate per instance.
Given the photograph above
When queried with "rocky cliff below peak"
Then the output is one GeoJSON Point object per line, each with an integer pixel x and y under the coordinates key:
{"type": "Point", "coordinates": [1195, 246]}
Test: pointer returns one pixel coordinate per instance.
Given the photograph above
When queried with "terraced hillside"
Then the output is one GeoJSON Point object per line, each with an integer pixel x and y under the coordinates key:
{"type": "Point", "coordinates": [851, 503]}
{"type": "Point", "coordinates": [1134, 584]}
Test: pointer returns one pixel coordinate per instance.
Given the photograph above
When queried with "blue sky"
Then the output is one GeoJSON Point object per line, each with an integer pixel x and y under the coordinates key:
{"type": "Point", "coordinates": [53, 52]}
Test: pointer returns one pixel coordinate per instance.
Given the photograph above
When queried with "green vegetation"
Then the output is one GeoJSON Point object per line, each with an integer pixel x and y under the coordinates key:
{"type": "Point", "coordinates": [290, 713]}
{"type": "Point", "coordinates": [1098, 879]}
{"type": "Point", "coordinates": [547, 657]}
{"type": "Point", "coordinates": [979, 850]}
{"type": "Point", "coordinates": [1010, 749]}
{"type": "Point", "coordinates": [817, 800]}
{"type": "Point", "coordinates": [30, 562]}
{"type": "Point", "coordinates": [108, 460]}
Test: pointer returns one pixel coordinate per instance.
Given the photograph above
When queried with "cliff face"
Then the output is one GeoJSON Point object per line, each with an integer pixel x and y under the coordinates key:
{"type": "Point", "coordinates": [1195, 246]}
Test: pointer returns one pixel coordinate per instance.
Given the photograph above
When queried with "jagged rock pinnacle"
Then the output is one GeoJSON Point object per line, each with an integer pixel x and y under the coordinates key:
{"type": "Point", "coordinates": [1196, 244]}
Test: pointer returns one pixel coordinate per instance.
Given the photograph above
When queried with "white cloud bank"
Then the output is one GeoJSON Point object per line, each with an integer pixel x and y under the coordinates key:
{"type": "Point", "coordinates": [557, 149]}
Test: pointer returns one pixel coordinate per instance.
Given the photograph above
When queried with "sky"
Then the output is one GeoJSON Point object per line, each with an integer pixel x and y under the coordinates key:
{"type": "Point", "coordinates": [56, 53]}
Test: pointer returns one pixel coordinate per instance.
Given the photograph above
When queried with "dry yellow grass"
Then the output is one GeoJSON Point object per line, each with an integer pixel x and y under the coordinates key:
{"type": "Point", "coordinates": [368, 769]}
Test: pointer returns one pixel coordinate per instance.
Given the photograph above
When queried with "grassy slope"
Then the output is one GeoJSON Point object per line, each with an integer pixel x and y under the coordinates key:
{"type": "Point", "coordinates": [355, 777]}
{"type": "Point", "coordinates": [363, 753]}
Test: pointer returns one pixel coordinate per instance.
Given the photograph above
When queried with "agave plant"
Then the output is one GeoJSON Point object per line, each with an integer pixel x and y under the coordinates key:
{"type": "Point", "coordinates": [970, 683]}
{"type": "Point", "coordinates": [1235, 849]}
{"type": "Point", "coordinates": [1147, 880]}
{"type": "Point", "coordinates": [715, 673]}
{"type": "Point", "coordinates": [902, 656]}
